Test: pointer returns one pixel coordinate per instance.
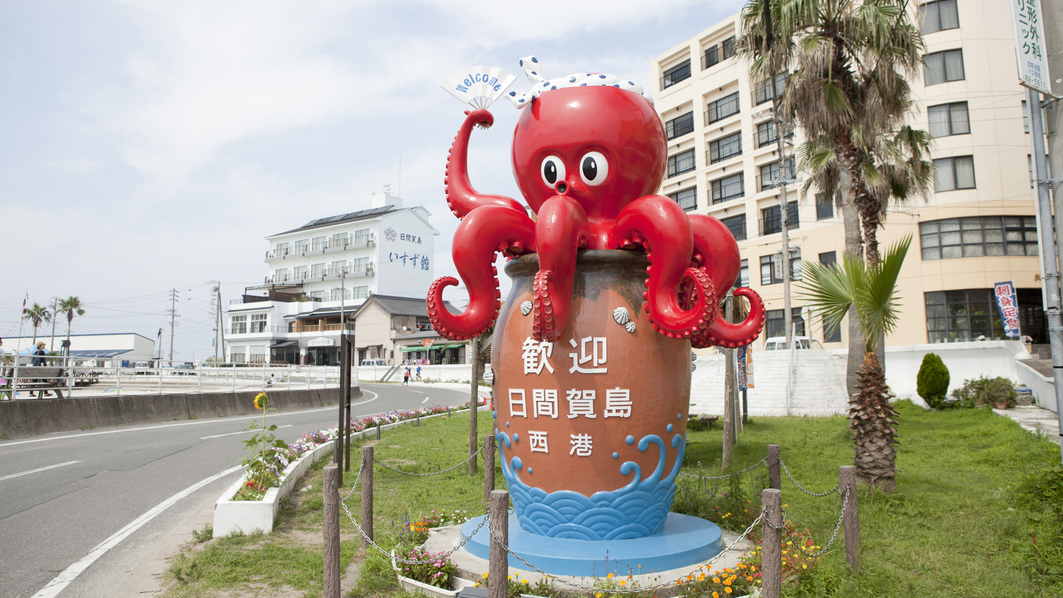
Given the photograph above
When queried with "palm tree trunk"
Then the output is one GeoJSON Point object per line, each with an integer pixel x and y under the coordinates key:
{"type": "Point", "coordinates": [851, 220]}
{"type": "Point", "coordinates": [873, 421]}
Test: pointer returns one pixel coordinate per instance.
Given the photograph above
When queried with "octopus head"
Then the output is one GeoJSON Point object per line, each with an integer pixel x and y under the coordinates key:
{"type": "Point", "coordinates": [602, 146]}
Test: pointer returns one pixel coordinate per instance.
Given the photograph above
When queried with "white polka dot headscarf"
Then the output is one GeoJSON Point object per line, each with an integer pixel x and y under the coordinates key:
{"type": "Point", "coordinates": [531, 67]}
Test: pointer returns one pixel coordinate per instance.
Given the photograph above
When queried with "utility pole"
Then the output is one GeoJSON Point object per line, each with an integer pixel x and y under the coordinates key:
{"type": "Point", "coordinates": [780, 184]}
{"type": "Point", "coordinates": [173, 319]}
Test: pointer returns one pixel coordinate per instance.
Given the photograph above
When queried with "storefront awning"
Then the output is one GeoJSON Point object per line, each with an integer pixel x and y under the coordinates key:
{"type": "Point", "coordinates": [453, 346]}
{"type": "Point", "coordinates": [413, 348]}
{"type": "Point", "coordinates": [283, 344]}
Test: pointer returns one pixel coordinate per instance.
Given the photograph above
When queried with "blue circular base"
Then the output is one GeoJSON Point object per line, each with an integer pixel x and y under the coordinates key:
{"type": "Point", "coordinates": [684, 541]}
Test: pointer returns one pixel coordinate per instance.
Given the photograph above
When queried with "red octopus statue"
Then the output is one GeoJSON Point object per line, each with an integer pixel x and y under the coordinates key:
{"type": "Point", "coordinates": [588, 159]}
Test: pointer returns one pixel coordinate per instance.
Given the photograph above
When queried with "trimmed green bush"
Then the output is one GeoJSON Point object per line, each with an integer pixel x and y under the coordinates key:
{"type": "Point", "coordinates": [932, 381]}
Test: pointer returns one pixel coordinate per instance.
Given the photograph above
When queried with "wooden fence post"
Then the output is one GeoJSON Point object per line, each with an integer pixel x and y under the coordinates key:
{"type": "Point", "coordinates": [367, 494]}
{"type": "Point", "coordinates": [771, 544]}
{"type": "Point", "coordinates": [498, 563]}
{"type": "Point", "coordinates": [851, 517]}
{"type": "Point", "coordinates": [489, 466]}
{"type": "Point", "coordinates": [774, 481]}
{"type": "Point", "coordinates": [332, 532]}
{"type": "Point", "coordinates": [378, 430]}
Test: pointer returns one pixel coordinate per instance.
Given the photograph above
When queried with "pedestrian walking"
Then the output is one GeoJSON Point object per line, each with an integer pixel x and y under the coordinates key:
{"type": "Point", "coordinates": [418, 373]}
{"type": "Point", "coordinates": [406, 377]}
{"type": "Point", "coordinates": [38, 361]}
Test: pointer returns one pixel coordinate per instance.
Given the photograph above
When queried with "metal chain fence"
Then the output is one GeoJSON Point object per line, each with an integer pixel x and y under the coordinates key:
{"type": "Point", "coordinates": [447, 470]}
{"type": "Point", "coordinates": [809, 492]}
{"type": "Point", "coordinates": [763, 461]}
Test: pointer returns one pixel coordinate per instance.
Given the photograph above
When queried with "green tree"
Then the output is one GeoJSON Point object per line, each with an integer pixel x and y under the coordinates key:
{"type": "Point", "coordinates": [932, 381]}
{"type": "Point", "coordinates": [37, 314]}
{"type": "Point", "coordinates": [71, 306]}
{"type": "Point", "coordinates": [848, 90]}
{"type": "Point", "coordinates": [871, 290]}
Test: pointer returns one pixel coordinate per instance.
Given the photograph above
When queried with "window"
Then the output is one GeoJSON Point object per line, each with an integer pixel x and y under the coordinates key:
{"type": "Point", "coordinates": [339, 240]}
{"type": "Point", "coordinates": [725, 147]}
{"type": "Point", "coordinates": [361, 292]}
{"type": "Point", "coordinates": [681, 162]}
{"type": "Point", "coordinates": [728, 188]}
{"type": "Point", "coordinates": [728, 47]}
{"type": "Point", "coordinates": [317, 270]}
{"type": "Point", "coordinates": [824, 206]}
{"type": "Point", "coordinates": [978, 236]}
{"type": "Point", "coordinates": [318, 243]}
{"type": "Point", "coordinates": [282, 249]}
{"type": "Point", "coordinates": [766, 133]}
{"type": "Point", "coordinates": [1026, 119]}
{"type": "Point", "coordinates": [302, 246]}
{"type": "Point", "coordinates": [775, 323]}
{"type": "Point", "coordinates": [337, 268]}
{"type": "Point", "coordinates": [772, 223]}
{"type": "Point", "coordinates": [280, 275]}
{"type": "Point", "coordinates": [299, 273]}
{"type": "Point", "coordinates": [258, 323]}
{"type": "Point", "coordinates": [964, 315]}
{"type": "Point", "coordinates": [743, 276]}
{"type": "Point", "coordinates": [317, 295]}
{"type": "Point", "coordinates": [239, 325]}
{"type": "Point", "coordinates": [679, 126]}
{"type": "Point", "coordinates": [938, 16]}
{"type": "Point", "coordinates": [712, 57]}
{"type": "Point", "coordinates": [676, 74]}
{"type": "Point", "coordinates": [828, 258]}
{"type": "Point", "coordinates": [686, 198]}
{"type": "Point", "coordinates": [737, 226]}
{"type": "Point", "coordinates": [771, 267]}
{"type": "Point", "coordinates": [951, 174]}
{"type": "Point", "coordinates": [949, 119]}
{"type": "Point", "coordinates": [942, 67]}
{"type": "Point", "coordinates": [256, 354]}
{"type": "Point", "coordinates": [361, 237]}
{"type": "Point", "coordinates": [361, 266]}
{"type": "Point", "coordinates": [763, 90]}
{"type": "Point", "coordinates": [337, 294]}
{"type": "Point", "coordinates": [770, 175]}
{"type": "Point", "coordinates": [236, 354]}
{"type": "Point", "coordinates": [722, 108]}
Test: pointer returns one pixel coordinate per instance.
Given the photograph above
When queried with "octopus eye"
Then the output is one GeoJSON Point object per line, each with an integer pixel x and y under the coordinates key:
{"type": "Point", "coordinates": [593, 168]}
{"type": "Point", "coordinates": [553, 170]}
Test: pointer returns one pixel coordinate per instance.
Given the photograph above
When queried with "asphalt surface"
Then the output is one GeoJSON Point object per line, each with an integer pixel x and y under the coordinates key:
{"type": "Point", "coordinates": [80, 510]}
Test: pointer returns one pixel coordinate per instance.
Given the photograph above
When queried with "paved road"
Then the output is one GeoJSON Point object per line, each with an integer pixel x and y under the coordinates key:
{"type": "Point", "coordinates": [62, 496]}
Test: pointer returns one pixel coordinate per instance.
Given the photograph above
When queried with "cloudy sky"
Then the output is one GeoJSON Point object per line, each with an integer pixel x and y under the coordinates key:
{"type": "Point", "coordinates": [150, 145]}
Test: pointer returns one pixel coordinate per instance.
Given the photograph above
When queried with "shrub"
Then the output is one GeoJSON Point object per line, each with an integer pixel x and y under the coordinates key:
{"type": "Point", "coordinates": [986, 391]}
{"type": "Point", "coordinates": [432, 569]}
{"type": "Point", "coordinates": [932, 381]}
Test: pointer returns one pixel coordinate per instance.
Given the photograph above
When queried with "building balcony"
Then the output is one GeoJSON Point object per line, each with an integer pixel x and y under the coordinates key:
{"type": "Point", "coordinates": [327, 274]}
{"type": "Point", "coordinates": [320, 249]}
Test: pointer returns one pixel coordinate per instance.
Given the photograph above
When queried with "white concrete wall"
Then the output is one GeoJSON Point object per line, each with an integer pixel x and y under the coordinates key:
{"type": "Point", "coordinates": [965, 361]}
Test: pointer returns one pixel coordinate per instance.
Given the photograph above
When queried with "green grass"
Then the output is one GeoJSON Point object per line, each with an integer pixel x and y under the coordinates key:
{"type": "Point", "coordinates": [953, 528]}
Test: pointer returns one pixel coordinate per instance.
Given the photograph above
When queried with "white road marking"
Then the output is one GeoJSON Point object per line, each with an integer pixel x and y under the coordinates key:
{"type": "Point", "coordinates": [39, 469]}
{"type": "Point", "coordinates": [71, 573]}
{"type": "Point", "coordinates": [236, 433]}
{"type": "Point", "coordinates": [426, 399]}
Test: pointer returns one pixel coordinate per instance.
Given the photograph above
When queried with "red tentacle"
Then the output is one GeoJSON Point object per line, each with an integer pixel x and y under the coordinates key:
{"type": "Point", "coordinates": [715, 250]}
{"type": "Point", "coordinates": [726, 334]}
{"type": "Point", "coordinates": [481, 233]}
{"type": "Point", "coordinates": [660, 225]}
{"type": "Point", "coordinates": [461, 197]}
{"type": "Point", "coordinates": [560, 230]}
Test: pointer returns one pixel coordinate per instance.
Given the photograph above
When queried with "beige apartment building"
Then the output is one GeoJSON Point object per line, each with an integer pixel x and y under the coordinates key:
{"type": "Point", "coordinates": [977, 228]}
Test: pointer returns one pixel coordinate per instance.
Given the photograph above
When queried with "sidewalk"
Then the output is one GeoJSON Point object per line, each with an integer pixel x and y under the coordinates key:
{"type": "Point", "coordinates": [1034, 419]}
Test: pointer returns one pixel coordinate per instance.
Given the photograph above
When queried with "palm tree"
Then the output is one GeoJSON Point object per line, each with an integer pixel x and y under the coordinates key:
{"type": "Point", "coordinates": [831, 291]}
{"type": "Point", "coordinates": [848, 90]}
{"type": "Point", "coordinates": [37, 314]}
{"type": "Point", "coordinates": [72, 306]}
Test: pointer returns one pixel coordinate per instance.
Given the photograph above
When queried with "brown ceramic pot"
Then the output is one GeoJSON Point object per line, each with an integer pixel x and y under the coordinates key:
{"type": "Point", "coordinates": [595, 444]}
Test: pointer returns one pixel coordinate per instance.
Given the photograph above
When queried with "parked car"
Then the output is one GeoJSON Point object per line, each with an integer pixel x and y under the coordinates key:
{"type": "Point", "coordinates": [183, 369]}
{"type": "Point", "coordinates": [142, 367]}
{"type": "Point", "coordinates": [374, 363]}
{"type": "Point", "coordinates": [778, 343]}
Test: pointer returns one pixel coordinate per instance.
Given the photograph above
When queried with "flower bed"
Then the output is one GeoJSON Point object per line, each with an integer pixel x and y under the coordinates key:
{"type": "Point", "coordinates": [248, 509]}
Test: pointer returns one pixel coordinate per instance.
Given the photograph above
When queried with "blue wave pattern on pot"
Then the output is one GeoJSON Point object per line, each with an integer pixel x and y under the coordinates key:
{"type": "Point", "coordinates": [635, 510]}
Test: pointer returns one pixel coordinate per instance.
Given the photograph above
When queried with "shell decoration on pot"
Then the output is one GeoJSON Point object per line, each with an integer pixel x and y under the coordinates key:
{"type": "Point", "coordinates": [623, 318]}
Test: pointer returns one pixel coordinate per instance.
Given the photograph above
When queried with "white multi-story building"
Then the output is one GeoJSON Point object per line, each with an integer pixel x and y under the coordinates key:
{"type": "Point", "coordinates": [977, 228]}
{"type": "Point", "coordinates": [324, 267]}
